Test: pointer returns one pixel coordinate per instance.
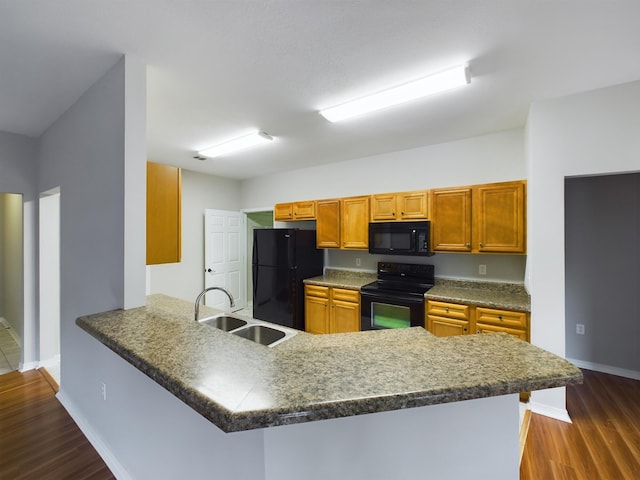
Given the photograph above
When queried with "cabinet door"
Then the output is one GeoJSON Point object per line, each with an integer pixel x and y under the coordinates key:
{"type": "Point", "coordinates": [414, 205]}
{"type": "Point", "coordinates": [499, 217]}
{"type": "Point", "coordinates": [354, 223]}
{"type": "Point", "coordinates": [316, 310]}
{"type": "Point", "coordinates": [164, 214]}
{"type": "Point", "coordinates": [304, 210]}
{"type": "Point", "coordinates": [328, 223]}
{"type": "Point", "coordinates": [345, 317]}
{"type": "Point", "coordinates": [446, 327]}
{"type": "Point", "coordinates": [283, 212]}
{"type": "Point", "coordinates": [451, 220]}
{"type": "Point", "coordinates": [383, 207]}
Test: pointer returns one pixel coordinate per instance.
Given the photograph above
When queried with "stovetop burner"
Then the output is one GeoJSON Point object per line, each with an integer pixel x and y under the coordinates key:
{"type": "Point", "coordinates": [404, 278]}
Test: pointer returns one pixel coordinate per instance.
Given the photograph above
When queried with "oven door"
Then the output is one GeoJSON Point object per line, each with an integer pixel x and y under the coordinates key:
{"type": "Point", "coordinates": [380, 310]}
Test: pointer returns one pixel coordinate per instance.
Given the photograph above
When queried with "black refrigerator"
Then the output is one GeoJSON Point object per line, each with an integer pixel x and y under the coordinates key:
{"type": "Point", "coordinates": [282, 259]}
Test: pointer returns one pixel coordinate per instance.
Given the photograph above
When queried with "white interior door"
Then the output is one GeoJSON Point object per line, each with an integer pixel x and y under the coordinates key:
{"type": "Point", "coordinates": [224, 257]}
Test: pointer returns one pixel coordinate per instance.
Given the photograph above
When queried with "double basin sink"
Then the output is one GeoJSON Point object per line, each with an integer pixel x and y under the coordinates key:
{"type": "Point", "coordinates": [250, 329]}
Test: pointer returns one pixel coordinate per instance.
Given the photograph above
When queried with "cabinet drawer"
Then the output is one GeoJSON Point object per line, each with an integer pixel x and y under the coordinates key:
{"type": "Point", "coordinates": [346, 295]}
{"type": "Point", "coordinates": [316, 291]}
{"type": "Point", "coordinates": [516, 332]}
{"type": "Point", "coordinates": [505, 318]}
{"type": "Point", "coordinates": [449, 310]}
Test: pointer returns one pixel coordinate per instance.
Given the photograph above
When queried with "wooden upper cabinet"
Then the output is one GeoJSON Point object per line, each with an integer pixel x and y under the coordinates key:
{"type": "Point", "coordinates": [414, 205]}
{"type": "Point", "coordinates": [286, 212]}
{"type": "Point", "coordinates": [486, 218]}
{"type": "Point", "coordinates": [451, 219]}
{"type": "Point", "coordinates": [383, 207]}
{"type": "Point", "coordinates": [400, 206]}
{"type": "Point", "coordinates": [283, 212]}
{"type": "Point", "coordinates": [499, 217]}
{"type": "Point", "coordinates": [328, 223]}
{"type": "Point", "coordinates": [354, 223]}
{"type": "Point", "coordinates": [164, 214]}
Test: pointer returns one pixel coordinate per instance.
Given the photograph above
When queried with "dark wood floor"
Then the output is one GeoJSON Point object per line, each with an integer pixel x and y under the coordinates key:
{"type": "Point", "coordinates": [603, 442]}
{"type": "Point", "coordinates": [38, 438]}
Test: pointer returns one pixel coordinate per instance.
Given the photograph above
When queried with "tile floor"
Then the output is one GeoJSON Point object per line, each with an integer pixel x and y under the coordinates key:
{"type": "Point", "coordinates": [9, 351]}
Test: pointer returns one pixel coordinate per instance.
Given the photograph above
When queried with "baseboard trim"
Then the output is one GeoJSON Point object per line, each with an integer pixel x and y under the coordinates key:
{"type": "Point", "coordinates": [553, 412]}
{"type": "Point", "coordinates": [50, 380]}
{"type": "Point", "coordinates": [23, 367]}
{"type": "Point", "coordinates": [598, 367]}
{"type": "Point", "coordinates": [94, 438]}
{"type": "Point", "coordinates": [50, 362]}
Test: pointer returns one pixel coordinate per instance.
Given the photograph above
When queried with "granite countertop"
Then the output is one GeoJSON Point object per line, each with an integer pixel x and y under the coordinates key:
{"type": "Point", "coordinates": [342, 279]}
{"type": "Point", "coordinates": [241, 385]}
{"type": "Point", "coordinates": [507, 296]}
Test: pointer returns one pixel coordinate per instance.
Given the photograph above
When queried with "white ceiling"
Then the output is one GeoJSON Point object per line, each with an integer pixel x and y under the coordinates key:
{"type": "Point", "coordinates": [219, 68]}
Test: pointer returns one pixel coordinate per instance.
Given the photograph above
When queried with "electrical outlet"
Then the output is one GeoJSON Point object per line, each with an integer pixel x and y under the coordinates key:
{"type": "Point", "coordinates": [579, 328]}
{"type": "Point", "coordinates": [482, 269]}
{"type": "Point", "coordinates": [103, 390]}
{"type": "Point", "coordinates": [358, 262]}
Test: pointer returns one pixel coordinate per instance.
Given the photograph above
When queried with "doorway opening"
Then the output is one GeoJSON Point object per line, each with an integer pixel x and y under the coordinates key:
{"type": "Point", "coordinates": [255, 220]}
{"type": "Point", "coordinates": [602, 269]}
{"type": "Point", "coordinates": [49, 281]}
{"type": "Point", "coordinates": [11, 281]}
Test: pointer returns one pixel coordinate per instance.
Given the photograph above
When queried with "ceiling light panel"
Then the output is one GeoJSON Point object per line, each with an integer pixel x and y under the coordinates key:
{"type": "Point", "coordinates": [239, 143]}
{"type": "Point", "coordinates": [439, 82]}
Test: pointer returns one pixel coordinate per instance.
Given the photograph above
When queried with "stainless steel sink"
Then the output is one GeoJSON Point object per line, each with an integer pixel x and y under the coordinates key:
{"type": "Point", "coordinates": [260, 334]}
{"type": "Point", "coordinates": [225, 322]}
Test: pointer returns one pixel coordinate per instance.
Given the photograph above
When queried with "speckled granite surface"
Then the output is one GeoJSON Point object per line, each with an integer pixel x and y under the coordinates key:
{"type": "Point", "coordinates": [241, 385]}
{"type": "Point", "coordinates": [507, 296]}
{"type": "Point", "coordinates": [342, 279]}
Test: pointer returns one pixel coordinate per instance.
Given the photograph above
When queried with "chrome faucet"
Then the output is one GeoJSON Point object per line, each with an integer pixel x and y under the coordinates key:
{"type": "Point", "coordinates": [197, 304]}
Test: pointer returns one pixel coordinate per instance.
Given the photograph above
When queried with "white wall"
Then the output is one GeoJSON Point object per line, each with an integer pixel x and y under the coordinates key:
{"type": "Point", "coordinates": [49, 277]}
{"type": "Point", "coordinates": [18, 160]}
{"type": "Point", "coordinates": [84, 154]}
{"type": "Point", "coordinates": [586, 134]}
{"type": "Point", "coordinates": [490, 158]}
{"type": "Point", "coordinates": [185, 279]}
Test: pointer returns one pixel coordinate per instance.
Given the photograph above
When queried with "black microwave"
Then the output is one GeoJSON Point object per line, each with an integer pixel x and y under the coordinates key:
{"type": "Point", "coordinates": [400, 238]}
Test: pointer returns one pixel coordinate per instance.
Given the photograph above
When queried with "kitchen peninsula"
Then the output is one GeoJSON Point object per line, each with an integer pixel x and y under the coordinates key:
{"type": "Point", "coordinates": [380, 404]}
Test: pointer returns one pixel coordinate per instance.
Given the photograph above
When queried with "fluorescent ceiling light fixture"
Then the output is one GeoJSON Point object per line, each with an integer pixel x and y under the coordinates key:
{"type": "Point", "coordinates": [238, 143]}
{"type": "Point", "coordinates": [439, 82]}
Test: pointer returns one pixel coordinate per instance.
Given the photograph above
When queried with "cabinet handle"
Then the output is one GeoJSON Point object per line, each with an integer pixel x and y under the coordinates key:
{"type": "Point", "coordinates": [481, 244]}
{"type": "Point", "coordinates": [500, 317]}
{"type": "Point", "coordinates": [478, 331]}
{"type": "Point", "coordinates": [401, 213]}
{"type": "Point", "coordinates": [446, 309]}
{"type": "Point", "coordinates": [464, 329]}
{"type": "Point", "coordinates": [468, 245]}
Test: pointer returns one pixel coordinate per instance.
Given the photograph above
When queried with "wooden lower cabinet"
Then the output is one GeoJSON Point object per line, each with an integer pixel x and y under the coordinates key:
{"type": "Point", "coordinates": [444, 319]}
{"type": "Point", "coordinates": [493, 320]}
{"type": "Point", "coordinates": [331, 309]}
